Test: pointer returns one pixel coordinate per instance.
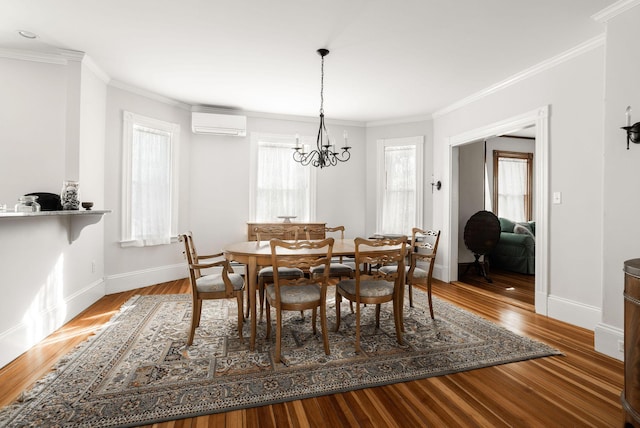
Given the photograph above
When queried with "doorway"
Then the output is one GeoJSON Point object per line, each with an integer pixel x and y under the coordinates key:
{"type": "Point", "coordinates": [539, 120]}
{"type": "Point", "coordinates": [496, 175]}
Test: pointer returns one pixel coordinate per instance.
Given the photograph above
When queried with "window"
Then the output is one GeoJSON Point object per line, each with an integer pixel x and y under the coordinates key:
{"type": "Point", "coordinates": [150, 181]}
{"type": "Point", "coordinates": [400, 183]}
{"type": "Point", "coordinates": [279, 185]}
{"type": "Point", "coordinates": [512, 181]}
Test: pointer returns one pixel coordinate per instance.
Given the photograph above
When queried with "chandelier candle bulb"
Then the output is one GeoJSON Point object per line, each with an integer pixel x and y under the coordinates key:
{"type": "Point", "coordinates": [627, 114]}
{"type": "Point", "coordinates": [297, 141]}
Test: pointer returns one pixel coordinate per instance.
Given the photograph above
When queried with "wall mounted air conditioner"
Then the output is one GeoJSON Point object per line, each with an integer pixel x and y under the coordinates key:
{"type": "Point", "coordinates": [218, 124]}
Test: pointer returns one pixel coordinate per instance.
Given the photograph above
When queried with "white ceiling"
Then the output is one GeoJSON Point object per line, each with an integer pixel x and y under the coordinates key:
{"type": "Point", "coordinates": [389, 58]}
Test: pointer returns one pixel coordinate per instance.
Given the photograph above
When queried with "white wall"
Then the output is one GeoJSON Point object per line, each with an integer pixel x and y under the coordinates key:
{"type": "Point", "coordinates": [621, 176]}
{"type": "Point", "coordinates": [132, 267]}
{"type": "Point", "coordinates": [574, 91]}
{"type": "Point", "coordinates": [220, 173]}
{"type": "Point", "coordinates": [378, 131]}
{"type": "Point", "coordinates": [471, 192]}
{"type": "Point", "coordinates": [46, 279]}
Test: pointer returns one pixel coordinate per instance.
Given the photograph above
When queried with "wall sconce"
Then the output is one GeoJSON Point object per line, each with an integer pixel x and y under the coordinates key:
{"type": "Point", "coordinates": [436, 184]}
{"type": "Point", "coordinates": [633, 131]}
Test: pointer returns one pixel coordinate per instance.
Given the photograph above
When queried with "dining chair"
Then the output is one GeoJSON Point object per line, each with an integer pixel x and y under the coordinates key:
{"type": "Point", "coordinates": [424, 245]}
{"type": "Point", "coordinates": [337, 269]}
{"type": "Point", "coordinates": [265, 274]}
{"type": "Point", "coordinates": [298, 294]}
{"type": "Point", "coordinates": [223, 285]}
{"type": "Point", "coordinates": [375, 287]}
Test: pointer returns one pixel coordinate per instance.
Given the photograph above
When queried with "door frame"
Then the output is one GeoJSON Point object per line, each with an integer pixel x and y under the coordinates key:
{"type": "Point", "coordinates": [540, 119]}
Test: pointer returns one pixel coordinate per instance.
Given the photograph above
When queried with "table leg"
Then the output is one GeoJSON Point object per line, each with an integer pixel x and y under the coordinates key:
{"type": "Point", "coordinates": [252, 277]}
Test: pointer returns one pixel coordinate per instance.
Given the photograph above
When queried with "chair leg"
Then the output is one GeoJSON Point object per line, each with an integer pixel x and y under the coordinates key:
{"type": "Point", "coordinates": [397, 317]}
{"type": "Point", "coordinates": [323, 324]}
{"type": "Point", "coordinates": [248, 309]}
{"type": "Point", "coordinates": [358, 350]}
{"type": "Point", "coordinates": [240, 298]}
{"type": "Point", "coordinates": [338, 302]}
{"type": "Point", "coordinates": [195, 319]}
{"type": "Point", "coordinates": [261, 294]}
{"type": "Point", "coordinates": [429, 297]}
{"type": "Point", "coordinates": [313, 320]}
{"type": "Point", "coordinates": [278, 334]}
{"type": "Point", "coordinates": [268, 319]}
{"type": "Point", "coordinates": [378, 315]}
{"type": "Point", "coordinates": [410, 296]}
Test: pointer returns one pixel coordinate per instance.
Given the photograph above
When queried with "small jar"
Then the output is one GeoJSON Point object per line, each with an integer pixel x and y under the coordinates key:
{"type": "Point", "coordinates": [69, 195]}
{"type": "Point", "coordinates": [27, 204]}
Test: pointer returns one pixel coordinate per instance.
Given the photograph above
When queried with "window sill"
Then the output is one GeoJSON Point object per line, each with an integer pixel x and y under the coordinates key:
{"type": "Point", "coordinates": [131, 243]}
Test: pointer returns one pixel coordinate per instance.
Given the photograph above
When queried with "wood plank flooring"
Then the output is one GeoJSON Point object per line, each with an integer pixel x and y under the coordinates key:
{"type": "Point", "coordinates": [515, 288]}
{"type": "Point", "coordinates": [580, 389]}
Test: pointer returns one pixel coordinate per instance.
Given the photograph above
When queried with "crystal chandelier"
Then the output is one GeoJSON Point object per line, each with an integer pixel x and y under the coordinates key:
{"type": "Point", "coordinates": [325, 153]}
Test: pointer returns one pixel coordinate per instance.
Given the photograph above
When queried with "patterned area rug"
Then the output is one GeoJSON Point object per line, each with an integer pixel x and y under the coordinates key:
{"type": "Point", "coordinates": [138, 370]}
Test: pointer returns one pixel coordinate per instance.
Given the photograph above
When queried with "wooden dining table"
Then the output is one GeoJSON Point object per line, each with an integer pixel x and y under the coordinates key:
{"type": "Point", "coordinates": [258, 253]}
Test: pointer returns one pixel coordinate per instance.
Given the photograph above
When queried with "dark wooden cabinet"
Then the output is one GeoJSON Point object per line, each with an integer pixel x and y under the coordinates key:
{"type": "Point", "coordinates": [631, 393]}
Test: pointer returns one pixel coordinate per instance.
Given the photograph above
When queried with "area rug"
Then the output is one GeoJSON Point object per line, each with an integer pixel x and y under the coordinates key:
{"type": "Point", "coordinates": [138, 370]}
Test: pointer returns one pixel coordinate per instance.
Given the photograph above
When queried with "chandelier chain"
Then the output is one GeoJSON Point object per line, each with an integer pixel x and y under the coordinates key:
{"type": "Point", "coordinates": [322, 86]}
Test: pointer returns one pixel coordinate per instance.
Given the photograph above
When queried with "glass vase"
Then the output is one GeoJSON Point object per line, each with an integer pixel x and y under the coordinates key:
{"type": "Point", "coordinates": [27, 204]}
{"type": "Point", "coordinates": [69, 196]}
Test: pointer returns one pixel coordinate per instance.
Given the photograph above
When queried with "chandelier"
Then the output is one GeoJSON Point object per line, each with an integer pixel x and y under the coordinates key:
{"type": "Point", "coordinates": [325, 153]}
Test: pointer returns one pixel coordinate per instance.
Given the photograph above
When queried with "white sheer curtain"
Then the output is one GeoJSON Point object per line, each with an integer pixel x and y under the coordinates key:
{"type": "Point", "coordinates": [399, 204]}
{"type": "Point", "coordinates": [512, 188]}
{"type": "Point", "coordinates": [282, 185]}
{"type": "Point", "coordinates": [150, 187]}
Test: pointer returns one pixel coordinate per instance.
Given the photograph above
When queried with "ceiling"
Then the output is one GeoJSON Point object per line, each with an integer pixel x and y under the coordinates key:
{"type": "Point", "coordinates": [389, 59]}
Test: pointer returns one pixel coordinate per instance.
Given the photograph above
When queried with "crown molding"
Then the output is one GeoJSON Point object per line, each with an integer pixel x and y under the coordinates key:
{"type": "Point", "coordinates": [526, 74]}
{"type": "Point", "coordinates": [276, 116]}
{"type": "Point", "coordinates": [398, 121]}
{"type": "Point", "coordinates": [148, 94]}
{"type": "Point", "coordinates": [71, 55]}
{"type": "Point", "coordinates": [614, 10]}
{"type": "Point", "coordinates": [95, 68]}
{"type": "Point", "coordinates": [26, 55]}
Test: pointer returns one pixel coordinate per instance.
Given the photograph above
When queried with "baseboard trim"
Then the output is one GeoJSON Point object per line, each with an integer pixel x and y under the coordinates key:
{"type": "Point", "coordinates": [142, 278]}
{"type": "Point", "coordinates": [573, 312]}
{"type": "Point", "coordinates": [609, 340]}
{"type": "Point", "coordinates": [441, 272]}
{"type": "Point", "coordinates": [22, 336]}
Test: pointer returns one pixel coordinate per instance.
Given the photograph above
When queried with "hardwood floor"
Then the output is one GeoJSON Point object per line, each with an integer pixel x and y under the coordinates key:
{"type": "Point", "coordinates": [511, 287]}
{"type": "Point", "coordinates": [580, 389]}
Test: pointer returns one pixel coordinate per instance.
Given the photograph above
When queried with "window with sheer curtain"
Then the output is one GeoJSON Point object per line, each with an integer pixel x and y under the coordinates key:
{"type": "Point", "coordinates": [280, 186]}
{"type": "Point", "coordinates": [400, 180]}
{"type": "Point", "coordinates": [149, 181]}
{"type": "Point", "coordinates": [512, 185]}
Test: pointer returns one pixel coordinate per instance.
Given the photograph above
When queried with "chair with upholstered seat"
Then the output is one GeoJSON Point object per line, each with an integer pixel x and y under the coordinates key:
{"type": "Point", "coordinates": [337, 269]}
{"type": "Point", "coordinates": [424, 246]}
{"type": "Point", "coordinates": [265, 274]}
{"type": "Point", "coordinates": [298, 294]}
{"type": "Point", "coordinates": [375, 287]}
{"type": "Point", "coordinates": [219, 285]}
